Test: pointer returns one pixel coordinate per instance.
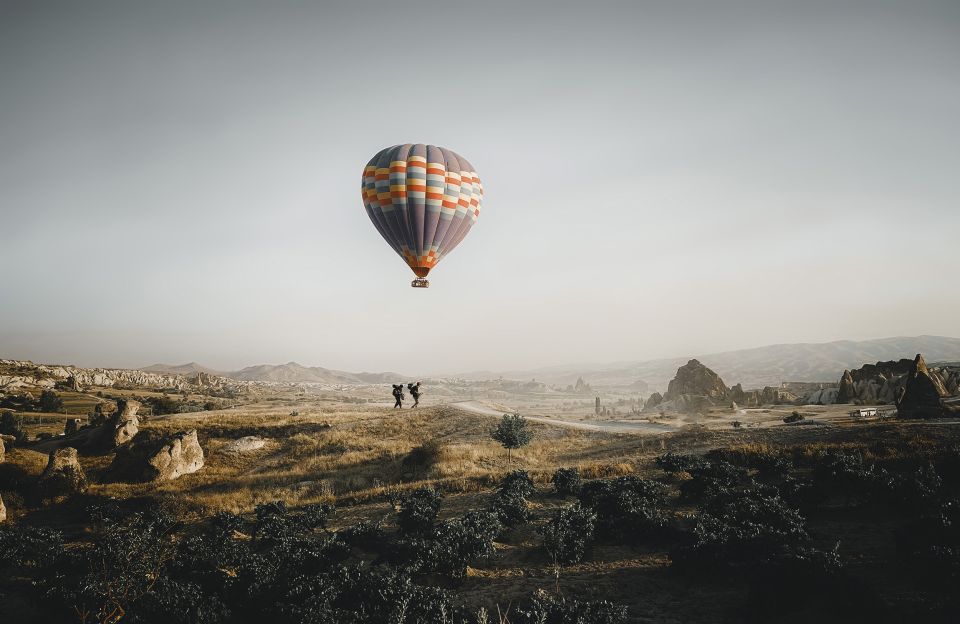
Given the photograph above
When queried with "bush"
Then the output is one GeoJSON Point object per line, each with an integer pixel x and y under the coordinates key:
{"type": "Point", "coordinates": [626, 507]}
{"type": "Point", "coordinates": [566, 481]}
{"type": "Point", "coordinates": [712, 479]}
{"type": "Point", "coordinates": [511, 508]}
{"type": "Point", "coordinates": [50, 402]}
{"type": "Point", "coordinates": [451, 546]}
{"type": "Point", "coordinates": [569, 534]}
{"type": "Point", "coordinates": [424, 456]}
{"type": "Point", "coordinates": [518, 482]}
{"type": "Point", "coordinates": [745, 530]}
{"type": "Point", "coordinates": [677, 462]}
{"type": "Point", "coordinates": [418, 511]}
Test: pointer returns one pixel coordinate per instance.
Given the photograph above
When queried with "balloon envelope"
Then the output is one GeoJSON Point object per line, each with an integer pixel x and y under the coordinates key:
{"type": "Point", "coordinates": [423, 200]}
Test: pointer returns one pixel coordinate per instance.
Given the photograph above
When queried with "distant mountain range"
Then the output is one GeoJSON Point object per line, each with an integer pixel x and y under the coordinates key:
{"type": "Point", "coordinates": [291, 372]}
{"type": "Point", "coordinates": [754, 368]}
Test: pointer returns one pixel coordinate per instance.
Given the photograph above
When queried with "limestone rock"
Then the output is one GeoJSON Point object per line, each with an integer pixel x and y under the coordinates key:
{"type": "Point", "coordinates": [244, 445]}
{"type": "Point", "coordinates": [122, 426]}
{"type": "Point", "coordinates": [63, 474]}
{"type": "Point", "coordinates": [846, 391]}
{"type": "Point", "coordinates": [653, 401]}
{"type": "Point", "coordinates": [694, 378]}
{"type": "Point", "coordinates": [180, 454]}
{"type": "Point", "coordinates": [922, 395]}
{"type": "Point", "coordinates": [156, 457]}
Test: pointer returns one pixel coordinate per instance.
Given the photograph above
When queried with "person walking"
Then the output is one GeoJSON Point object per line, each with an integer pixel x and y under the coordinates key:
{"type": "Point", "coordinates": [415, 393]}
{"type": "Point", "coordinates": [398, 395]}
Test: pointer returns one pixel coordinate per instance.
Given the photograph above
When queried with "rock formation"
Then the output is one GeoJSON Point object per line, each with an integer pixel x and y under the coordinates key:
{"type": "Point", "coordinates": [695, 378]}
{"type": "Point", "coordinates": [122, 426]}
{"type": "Point", "coordinates": [63, 474]}
{"type": "Point", "coordinates": [156, 457]}
{"type": "Point", "coordinates": [882, 383]}
{"type": "Point", "coordinates": [244, 445]}
{"type": "Point", "coordinates": [653, 401]}
{"type": "Point", "coordinates": [846, 392]}
{"type": "Point", "coordinates": [3, 451]}
{"type": "Point", "coordinates": [3, 510]}
{"type": "Point", "coordinates": [922, 395]}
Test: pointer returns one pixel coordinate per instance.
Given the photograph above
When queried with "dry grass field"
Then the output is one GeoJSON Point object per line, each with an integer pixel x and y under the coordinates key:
{"type": "Point", "coordinates": [358, 457]}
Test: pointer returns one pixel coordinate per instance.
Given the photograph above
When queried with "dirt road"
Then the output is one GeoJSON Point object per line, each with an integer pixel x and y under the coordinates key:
{"type": "Point", "coordinates": [610, 426]}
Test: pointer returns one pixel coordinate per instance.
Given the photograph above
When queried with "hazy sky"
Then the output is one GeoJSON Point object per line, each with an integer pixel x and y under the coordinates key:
{"type": "Point", "coordinates": [181, 180]}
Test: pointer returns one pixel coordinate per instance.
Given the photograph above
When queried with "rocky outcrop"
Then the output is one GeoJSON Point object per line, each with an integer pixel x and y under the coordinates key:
{"type": "Point", "coordinates": [122, 426]}
{"type": "Point", "coordinates": [3, 511]}
{"type": "Point", "coordinates": [824, 396]}
{"type": "Point", "coordinates": [923, 393]}
{"type": "Point", "coordinates": [244, 445]}
{"type": "Point", "coordinates": [3, 451]}
{"type": "Point", "coordinates": [156, 457]}
{"type": "Point", "coordinates": [696, 379]}
{"type": "Point", "coordinates": [846, 391]}
{"type": "Point", "coordinates": [653, 401]}
{"type": "Point", "coordinates": [30, 375]}
{"type": "Point", "coordinates": [63, 474]}
{"type": "Point", "coordinates": [882, 383]}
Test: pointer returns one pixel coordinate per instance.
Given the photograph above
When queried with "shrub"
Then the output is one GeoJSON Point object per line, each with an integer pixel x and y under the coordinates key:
{"type": "Point", "coordinates": [518, 482]}
{"type": "Point", "coordinates": [50, 401]}
{"type": "Point", "coordinates": [511, 507]}
{"type": "Point", "coordinates": [745, 530]}
{"type": "Point", "coordinates": [418, 511]}
{"type": "Point", "coordinates": [627, 507]}
{"type": "Point", "coordinates": [512, 432]}
{"type": "Point", "coordinates": [566, 481]}
{"type": "Point", "coordinates": [569, 534]}
{"type": "Point", "coordinates": [677, 462]}
{"type": "Point", "coordinates": [451, 546]}
{"type": "Point", "coordinates": [425, 455]}
{"type": "Point", "coordinates": [712, 479]}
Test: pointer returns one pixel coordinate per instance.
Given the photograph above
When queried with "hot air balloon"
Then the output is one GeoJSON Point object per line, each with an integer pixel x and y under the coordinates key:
{"type": "Point", "coordinates": [423, 200]}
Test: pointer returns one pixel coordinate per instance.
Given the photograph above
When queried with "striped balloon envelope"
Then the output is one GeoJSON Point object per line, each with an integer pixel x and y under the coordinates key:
{"type": "Point", "coordinates": [423, 200]}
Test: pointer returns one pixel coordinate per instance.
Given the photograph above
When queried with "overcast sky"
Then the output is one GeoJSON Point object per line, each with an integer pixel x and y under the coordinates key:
{"type": "Point", "coordinates": [181, 180]}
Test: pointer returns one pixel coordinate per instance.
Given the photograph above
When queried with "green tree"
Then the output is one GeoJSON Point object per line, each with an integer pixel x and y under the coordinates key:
{"type": "Point", "coordinates": [512, 433]}
{"type": "Point", "coordinates": [50, 402]}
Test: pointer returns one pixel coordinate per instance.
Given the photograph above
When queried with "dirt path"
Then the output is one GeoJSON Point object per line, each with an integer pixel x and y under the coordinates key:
{"type": "Point", "coordinates": [610, 426]}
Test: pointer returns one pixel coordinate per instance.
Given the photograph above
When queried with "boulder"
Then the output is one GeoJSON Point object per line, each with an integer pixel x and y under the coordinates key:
{"type": "Point", "coordinates": [156, 457]}
{"type": "Point", "coordinates": [180, 454]}
{"type": "Point", "coordinates": [244, 445]}
{"type": "Point", "coordinates": [102, 412]}
{"type": "Point", "coordinates": [122, 426]}
{"type": "Point", "coordinates": [653, 401]}
{"type": "Point", "coordinates": [922, 395]}
{"type": "Point", "coordinates": [63, 474]}
{"type": "Point", "coordinates": [693, 378]}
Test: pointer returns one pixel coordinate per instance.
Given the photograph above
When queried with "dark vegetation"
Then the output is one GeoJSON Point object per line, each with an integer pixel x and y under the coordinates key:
{"type": "Point", "coordinates": [756, 522]}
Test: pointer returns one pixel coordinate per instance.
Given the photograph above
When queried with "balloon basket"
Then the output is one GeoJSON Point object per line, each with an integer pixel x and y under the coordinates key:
{"type": "Point", "coordinates": [420, 282]}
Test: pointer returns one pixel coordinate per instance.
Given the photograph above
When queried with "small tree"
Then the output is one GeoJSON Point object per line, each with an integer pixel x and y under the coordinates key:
{"type": "Point", "coordinates": [50, 402]}
{"type": "Point", "coordinates": [512, 433]}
